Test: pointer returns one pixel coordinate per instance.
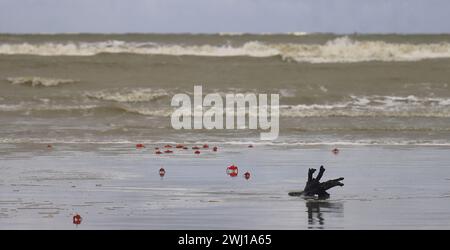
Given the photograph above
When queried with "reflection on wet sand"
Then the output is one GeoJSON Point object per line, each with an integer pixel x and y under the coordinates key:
{"type": "Point", "coordinates": [318, 210]}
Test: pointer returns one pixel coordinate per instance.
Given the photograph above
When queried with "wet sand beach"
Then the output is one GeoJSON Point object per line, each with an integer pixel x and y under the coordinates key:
{"type": "Point", "coordinates": [116, 186]}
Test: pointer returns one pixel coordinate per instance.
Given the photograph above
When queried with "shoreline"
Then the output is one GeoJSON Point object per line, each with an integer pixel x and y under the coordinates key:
{"type": "Point", "coordinates": [119, 188]}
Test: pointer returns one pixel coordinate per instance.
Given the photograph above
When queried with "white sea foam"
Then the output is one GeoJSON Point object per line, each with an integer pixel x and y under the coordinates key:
{"type": "Point", "coordinates": [132, 95]}
{"type": "Point", "coordinates": [39, 81]}
{"type": "Point", "coordinates": [342, 49]}
{"type": "Point", "coordinates": [29, 107]}
{"type": "Point", "coordinates": [228, 142]}
{"type": "Point", "coordinates": [298, 33]}
{"type": "Point", "coordinates": [134, 101]}
{"type": "Point", "coordinates": [231, 33]}
{"type": "Point", "coordinates": [374, 106]}
{"type": "Point", "coordinates": [148, 111]}
{"type": "Point", "coordinates": [357, 106]}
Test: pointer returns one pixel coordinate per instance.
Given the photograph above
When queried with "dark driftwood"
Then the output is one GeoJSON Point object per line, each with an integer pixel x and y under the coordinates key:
{"type": "Point", "coordinates": [314, 187]}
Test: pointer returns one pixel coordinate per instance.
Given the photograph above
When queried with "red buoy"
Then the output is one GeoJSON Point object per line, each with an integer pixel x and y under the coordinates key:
{"type": "Point", "coordinates": [247, 175]}
{"type": "Point", "coordinates": [197, 152]}
{"type": "Point", "coordinates": [162, 172]}
{"type": "Point", "coordinates": [205, 146]}
{"type": "Point", "coordinates": [179, 146]}
{"type": "Point", "coordinates": [77, 219]}
{"type": "Point", "coordinates": [335, 151]}
{"type": "Point", "coordinates": [232, 170]}
{"type": "Point", "coordinates": [215, 149]}
{"type": "Point", "coordinates": [168, 151]}
{"type": "Point", "coordinates": [195, 148]}
{"type": "Point", "coordinates": [158, 152]}
{"type": "Point", "coordinates": [140, 145]}
{"type": "Point", "coordinates": [168, 146]}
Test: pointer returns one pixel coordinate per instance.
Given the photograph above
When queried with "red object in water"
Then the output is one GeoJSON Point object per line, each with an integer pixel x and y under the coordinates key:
{"type": "Point", "coordinates": [162, 172]}
{"type": "Point", "coordinates": [195, 147]}
{"type": "Point", "coordinates": [158, 152]}
{"type": "Point", "coordinates": [247, 175]}
{"type": "Point", "coordinates": [215, 149]}
{"type": "Point", "coordinates": [232, 171]}
{"type": "Point", "coordinates": [179, 146]}
{"type": "Point", "coordinates": [140, 145]}
{"type": "Point", "coordinates": [168, 146]}
{"type": "Point", "coordinates": [77, 219]}
{"type": "Point", "coordinates": [168, 151]}
{"type": "Point", "coordinates": [197, 152]}
{"type": "Point", "coordinates": [250, 146]}
{"type": "Point", "coordinates": [335, 151]}
{"type": "Point", "coordinates": [205, 146]}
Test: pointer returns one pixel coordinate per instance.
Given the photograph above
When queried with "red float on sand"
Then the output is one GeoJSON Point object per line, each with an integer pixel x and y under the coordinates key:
{"type": "Point", "coordinates": [168, 146]}
{"type": "Point", "coordinates": [158, 152]}
{"type": "Point", "coordinates": [205, 146]}
{"type": "Point", "coordinates": [77, 219]}
{"type": "Point", "coordinates": [162, 172]}
{"type": "Point", "coordinates": [140, 145]}
{"type": "Point", "coordinates": [197, 152]}
{"type": "Point", "coordinates": [232, 170]}
{"type": "Point", "coordinates": [247, 175]}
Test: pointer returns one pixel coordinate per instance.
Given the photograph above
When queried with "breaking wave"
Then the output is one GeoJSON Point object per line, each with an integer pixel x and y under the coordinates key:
{"type": "Point", "coordinates": [342, 49]}
{"type": "Point", "coordinates": [30, 107]}
{"type": "Point", "coordinates": [373, 106]}
{"type": "Point", "coordinates": [39, 81]}
{"type": "Point", "coordinates": [133, 95]}
{"type": "Point", "coordinates": [139, 102]}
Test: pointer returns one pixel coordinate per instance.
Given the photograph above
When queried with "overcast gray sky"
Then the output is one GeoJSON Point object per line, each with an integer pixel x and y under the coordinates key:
{"type": "Point", "coordinates": [206, 16]}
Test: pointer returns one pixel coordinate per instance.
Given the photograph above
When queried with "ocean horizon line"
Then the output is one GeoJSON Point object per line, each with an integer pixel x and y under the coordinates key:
{"type": "Point", "coordinates": [229, 33]}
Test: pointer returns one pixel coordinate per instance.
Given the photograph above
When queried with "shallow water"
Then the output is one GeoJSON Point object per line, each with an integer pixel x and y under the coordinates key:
{"type": "Point", "coordinates": [115, 186]}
